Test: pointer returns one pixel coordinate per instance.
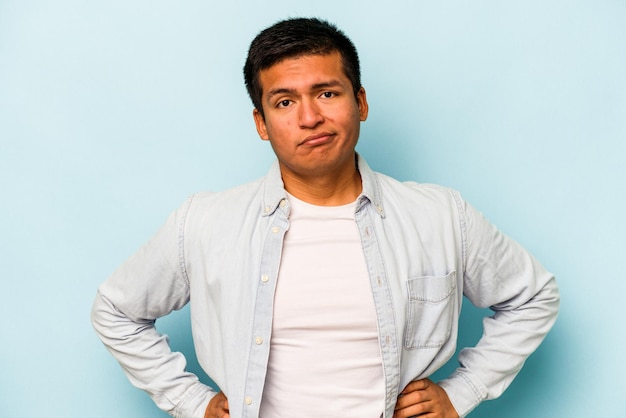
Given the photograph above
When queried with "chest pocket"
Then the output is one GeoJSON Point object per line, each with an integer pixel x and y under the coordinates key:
{"type": "Point", "coordinates": [429, 311]}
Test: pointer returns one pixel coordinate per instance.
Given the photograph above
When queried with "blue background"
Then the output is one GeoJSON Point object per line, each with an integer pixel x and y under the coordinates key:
{"type": "Point", "coordinates": [111, 113]}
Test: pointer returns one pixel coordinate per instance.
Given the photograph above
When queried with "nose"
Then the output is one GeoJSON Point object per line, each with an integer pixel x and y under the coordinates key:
{"type": "Point", "coordinates": [309, 114]}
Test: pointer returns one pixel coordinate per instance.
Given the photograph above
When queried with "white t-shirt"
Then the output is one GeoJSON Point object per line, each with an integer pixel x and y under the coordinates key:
{"type": "Point", "coordinates": [325, 357]}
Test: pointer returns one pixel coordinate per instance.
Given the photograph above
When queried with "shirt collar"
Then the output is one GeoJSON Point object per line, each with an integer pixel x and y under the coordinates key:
{"type": "Point", "coordinates": [371, 188]}
{"type": "Point", "coordinates": [274, 191]}
{"type": "Point", "coordinates": [275, 196]}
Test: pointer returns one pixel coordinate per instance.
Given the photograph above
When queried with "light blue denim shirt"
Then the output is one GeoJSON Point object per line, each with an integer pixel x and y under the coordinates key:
{"type": "Point", "coordinates": [425, 248]}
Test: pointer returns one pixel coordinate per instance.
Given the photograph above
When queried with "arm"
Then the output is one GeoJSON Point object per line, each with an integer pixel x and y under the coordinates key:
{"type": "Point", "coordinates": [149, 285]}
{"type": "Point", "coordinates": [501, 275]}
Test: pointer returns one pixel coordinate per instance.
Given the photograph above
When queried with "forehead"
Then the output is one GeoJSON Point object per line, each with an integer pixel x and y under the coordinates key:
{"type": "Point", "coordinates": [303, 71]}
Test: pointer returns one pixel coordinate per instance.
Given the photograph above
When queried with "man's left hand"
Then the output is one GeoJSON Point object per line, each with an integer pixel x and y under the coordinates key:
{"type": "Point", "coordinates": [423, 398]}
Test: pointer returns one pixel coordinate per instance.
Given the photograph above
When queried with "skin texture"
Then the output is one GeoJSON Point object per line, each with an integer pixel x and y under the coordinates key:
{"type": "Point", "coordinates": [312, 121]}
{"type": "Point", "coordinates": [423, 398]}
{"type": "Point", "coordinates": [218, 407]}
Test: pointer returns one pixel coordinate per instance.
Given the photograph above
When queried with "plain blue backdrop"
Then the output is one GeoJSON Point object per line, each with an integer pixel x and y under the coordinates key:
{"type": "Point", "coordinates": [111, 113]}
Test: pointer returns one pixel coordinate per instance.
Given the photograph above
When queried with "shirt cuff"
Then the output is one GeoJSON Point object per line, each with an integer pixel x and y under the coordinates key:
{"type": "Point", "coordinates": [465, 392]}
{"type": "Point", "coordinates": [195, 403]}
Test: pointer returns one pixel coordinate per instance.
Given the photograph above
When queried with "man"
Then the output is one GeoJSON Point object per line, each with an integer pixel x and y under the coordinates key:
{"type": "Point", "coordinates": [323, 289]}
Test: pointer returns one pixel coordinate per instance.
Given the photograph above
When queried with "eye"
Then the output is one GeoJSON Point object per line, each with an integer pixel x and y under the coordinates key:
{"type": "Point", "coordinates": [283, 103]}
{"type": "Point", "coordinates": [328, 94]}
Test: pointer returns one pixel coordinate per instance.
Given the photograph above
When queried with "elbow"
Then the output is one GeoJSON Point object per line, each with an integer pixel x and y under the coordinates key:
{"type": "Point", "coordinates": [546, 305]}
{"type": "Point", "coordinates": [553, 297]}
{"type": "Point", "coordinates": [98, 313]}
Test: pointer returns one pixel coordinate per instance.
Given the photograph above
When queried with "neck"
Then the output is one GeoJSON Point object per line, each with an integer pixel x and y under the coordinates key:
{"type": "Point", "coordinates": [330, 189]}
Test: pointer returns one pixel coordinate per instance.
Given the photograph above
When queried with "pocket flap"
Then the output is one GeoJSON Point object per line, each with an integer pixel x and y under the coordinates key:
{"type": "Point", "coordinates": [432, 289]}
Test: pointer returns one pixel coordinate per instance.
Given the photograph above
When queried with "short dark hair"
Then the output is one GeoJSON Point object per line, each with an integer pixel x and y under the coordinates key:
{"type": "Point", "coordinates": [293, 38]}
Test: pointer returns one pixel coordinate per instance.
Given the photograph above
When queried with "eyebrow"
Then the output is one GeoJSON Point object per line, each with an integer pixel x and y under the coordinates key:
{"type": "Point", "coordinates": [317, 86]}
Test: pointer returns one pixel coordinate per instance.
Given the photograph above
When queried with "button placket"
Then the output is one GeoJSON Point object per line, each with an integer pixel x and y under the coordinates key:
{"type": "Point", "coordinates": [382, 298]}
{"type": "Point", "coordinates": [261, 326]}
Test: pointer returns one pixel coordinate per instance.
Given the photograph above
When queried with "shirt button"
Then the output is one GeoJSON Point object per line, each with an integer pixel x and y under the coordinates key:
{"type": "Point", "coordinates": [267, 209]}
{"type": "Point", "coordinates": [379, 281]}
{"type": "Point", "coordinates": [248, 400]}
{"type": "Point", "coordinates": [275, 230]}
{"type": "Point", "coordinates": [265, 278]}
{"type": "Point", "coordinates": [258, 340]}
{"type": "Point", "coordinates": [283, 203]}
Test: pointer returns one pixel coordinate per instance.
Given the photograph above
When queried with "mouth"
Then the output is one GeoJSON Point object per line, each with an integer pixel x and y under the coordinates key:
{"type": "Point", "coordinates": [317, 139]}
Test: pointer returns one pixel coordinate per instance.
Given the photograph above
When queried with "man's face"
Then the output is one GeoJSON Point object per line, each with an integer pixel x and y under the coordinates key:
{"type": "Point", "coordinates": [312, 117]}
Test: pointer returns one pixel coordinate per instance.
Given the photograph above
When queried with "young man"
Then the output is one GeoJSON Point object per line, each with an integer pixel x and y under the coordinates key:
{"type": "Point", "coordinates": [323, 289]}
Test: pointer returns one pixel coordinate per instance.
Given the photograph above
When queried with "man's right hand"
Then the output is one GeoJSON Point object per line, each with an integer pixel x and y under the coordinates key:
{"type": "Point", "coordinates": [218, 407]}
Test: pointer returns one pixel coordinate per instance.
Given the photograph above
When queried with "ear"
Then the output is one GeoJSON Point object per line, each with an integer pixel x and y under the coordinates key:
{"type": "Point", "coordinates": [361, 99]}
{"type": "Point", "coordinates": [261, 127]}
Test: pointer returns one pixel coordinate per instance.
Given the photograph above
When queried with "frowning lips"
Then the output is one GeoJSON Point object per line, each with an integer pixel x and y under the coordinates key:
{"type": "Point", "coordinates": [317, 139]}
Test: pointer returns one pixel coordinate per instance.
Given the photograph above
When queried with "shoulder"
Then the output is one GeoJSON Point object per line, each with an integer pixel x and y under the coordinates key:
{"type": "Point", "coordinates": [237, 193]}
{"type": "Point", "coordinates": [412, 192]}
{"type": "Point", "coordinates": [385, 190]}
{"type": "Point", "coordinates": [230, 202]}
